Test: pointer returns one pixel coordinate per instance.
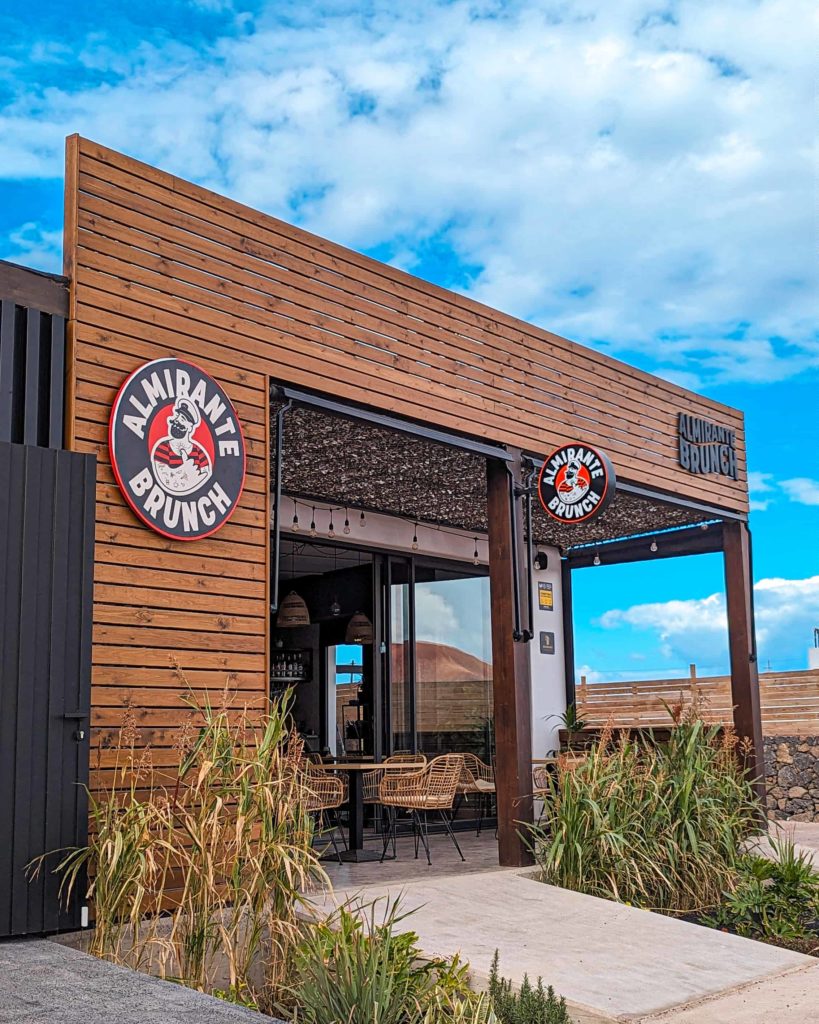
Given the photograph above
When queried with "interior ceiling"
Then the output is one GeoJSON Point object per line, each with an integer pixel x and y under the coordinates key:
{"type": "Point", "coordinates": [302, 558]}
{"type": "Point", "coordinates": [346, 462]}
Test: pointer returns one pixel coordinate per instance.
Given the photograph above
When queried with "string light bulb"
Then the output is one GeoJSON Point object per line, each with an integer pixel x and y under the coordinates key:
{"type": "Point", "coordinates": [331, 532]}
{"type": "Point", "coordinates": [295, 527]}
{"type": "Point", "coordinates": [362, 522]}
{"type": "Point", "coordinates": [475, 557]}
{"type": "Point", "coordinates": [313, 523]}
{"type": "Point", "coordinates": [596, 560]}
{"type": "Point", "coordinates": [415, 537]}
{"type": "Point", "coordinates": [653, 547]}
{"type": "Point", "coordinates": [346, 523]}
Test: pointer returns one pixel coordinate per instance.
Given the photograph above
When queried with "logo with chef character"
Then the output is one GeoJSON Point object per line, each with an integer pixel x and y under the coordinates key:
{"type": "Point", "coordinates": [177, 449]}
{"type": "Point", "coordinates": [576, 483]}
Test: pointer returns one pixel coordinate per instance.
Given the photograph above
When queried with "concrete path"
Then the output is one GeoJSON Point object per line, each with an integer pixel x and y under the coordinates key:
{"type": "Point", "coordinates": [791, 997]}
{"type": "Point", "coordinates": [43, 982]}
{"type": "Point", "coordinates": [611, 962]}
{"type": "Point", "coordinates": [803, 834]}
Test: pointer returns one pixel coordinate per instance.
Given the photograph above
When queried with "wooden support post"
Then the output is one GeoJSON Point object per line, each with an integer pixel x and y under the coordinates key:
{"type": "Point", "coordinates": [739, 599]}
{"type": "Point", "coordinates": [511, 679]}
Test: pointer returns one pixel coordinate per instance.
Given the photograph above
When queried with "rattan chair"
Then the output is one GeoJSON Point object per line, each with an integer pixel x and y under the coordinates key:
{"type": "Point", "coordinates": [541, 788]}
{"type": "Point", "coordinates": [478, 780]}
{"type": "Point", "coordinates": [431, 789]}
{"type": "Point", "coordinates": [324, 794]}
{"type": "Point", "coordinates": [371, 781]}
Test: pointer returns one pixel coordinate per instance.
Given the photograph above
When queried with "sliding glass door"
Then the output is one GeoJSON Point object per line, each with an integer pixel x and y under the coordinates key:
{"type": "Point", "coordinates": [439, 672]}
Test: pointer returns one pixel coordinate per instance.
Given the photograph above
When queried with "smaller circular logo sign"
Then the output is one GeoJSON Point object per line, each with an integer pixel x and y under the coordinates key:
{"type": "Point", "coordinates": [576, 483]}
{"type": "Point", "coordinates": [177, 449]}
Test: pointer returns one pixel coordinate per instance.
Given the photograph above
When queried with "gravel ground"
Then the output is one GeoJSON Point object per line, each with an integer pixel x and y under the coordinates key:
{"type": "Point", "coordinates": [42, 982]}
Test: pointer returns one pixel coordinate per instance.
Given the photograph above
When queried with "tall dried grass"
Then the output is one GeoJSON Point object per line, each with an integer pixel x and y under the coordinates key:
{"type": "Point", "coordinates": [657, 825]}
{"type": "Point", "coordinates": [209, 873]}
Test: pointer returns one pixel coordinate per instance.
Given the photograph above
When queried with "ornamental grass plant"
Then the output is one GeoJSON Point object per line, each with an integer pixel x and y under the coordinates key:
{"type": "Point", "coordinates": [207, 875]}
{"type": "Point", "coordinates": [657, 825]}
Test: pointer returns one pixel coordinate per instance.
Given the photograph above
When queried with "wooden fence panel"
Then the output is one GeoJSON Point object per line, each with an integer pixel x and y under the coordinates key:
{"type": "Point", "coordinates": [790, 701]}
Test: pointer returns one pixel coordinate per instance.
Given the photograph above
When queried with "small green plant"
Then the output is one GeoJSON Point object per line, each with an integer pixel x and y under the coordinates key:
{"type": "Point", "coordinates": [532, 1004]}
{"type": "Point", "coordinates": [572, 723]}
{"type": "Point", "coordinates": [356, 967]}
{"type": "Point", "coordinates": [774, 899]}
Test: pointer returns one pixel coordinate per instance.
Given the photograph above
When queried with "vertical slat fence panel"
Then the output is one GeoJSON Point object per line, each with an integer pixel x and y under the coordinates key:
{"type": "Point", "coordinates": [46, 564]}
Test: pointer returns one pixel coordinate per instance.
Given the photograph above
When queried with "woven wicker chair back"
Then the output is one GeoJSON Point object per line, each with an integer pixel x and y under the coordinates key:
{"type": "Point", "coordinates": [324, 791]}
{"type": "Point", "coordinates": [406, 757]}
{"type": "Point", "coordinates": [371, 782]}
{"type": "Point", "coordinates": [474, 771]}
{"type": "Point", "coordinates": [432, 789]}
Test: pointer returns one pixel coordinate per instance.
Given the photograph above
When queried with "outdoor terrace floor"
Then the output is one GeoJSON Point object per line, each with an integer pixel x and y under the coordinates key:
{"type": "Point", "coordinates": [612, 962]}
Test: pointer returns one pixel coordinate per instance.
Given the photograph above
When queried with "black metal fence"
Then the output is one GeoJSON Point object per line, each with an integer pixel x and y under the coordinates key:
{"type": "Point", "coordinates": [33, 310]}
{"type": "Point", "coordinates": [46, 581]}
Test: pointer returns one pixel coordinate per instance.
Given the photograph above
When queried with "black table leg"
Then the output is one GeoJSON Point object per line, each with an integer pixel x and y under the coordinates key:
{"type": "Point", "coordinates": [355, 809]}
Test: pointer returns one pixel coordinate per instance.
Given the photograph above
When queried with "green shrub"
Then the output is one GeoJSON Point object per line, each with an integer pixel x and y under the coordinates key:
{"type": "Point", "coordinates": [774, 899]}
{"type": "Point", "coordinates": [356, 969]}
{"type": "Point", "coordinates": [531, 1005]}
{"type": "Point", "coordinates": [660, 826]}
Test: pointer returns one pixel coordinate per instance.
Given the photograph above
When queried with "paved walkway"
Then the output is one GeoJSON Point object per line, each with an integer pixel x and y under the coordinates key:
{"type": "Point", "coordinates": [43, 982]}
{"type": "Point", "coordinates": [611, 962]}
{"type": "Point", "coordinates": [805, 836]}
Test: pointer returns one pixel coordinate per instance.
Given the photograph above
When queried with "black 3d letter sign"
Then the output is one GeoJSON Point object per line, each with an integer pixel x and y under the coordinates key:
{"type": "Point", "coordinates": [706, 447]}
{"type": "Point", "coordinates": [576, 483]}
{"type": "Point", "coordinates": [177, 449]}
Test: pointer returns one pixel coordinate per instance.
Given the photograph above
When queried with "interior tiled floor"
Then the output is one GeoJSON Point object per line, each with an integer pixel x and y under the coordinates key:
{"type": "Point", "coordinates": [481, 853]}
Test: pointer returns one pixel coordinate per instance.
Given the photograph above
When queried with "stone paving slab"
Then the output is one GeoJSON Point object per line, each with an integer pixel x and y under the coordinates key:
{"type": "Point", "coordinates": [791, 998]}
{"type": "Point", "coordinates": [611, 962]}
{"type": "Point", "coordinates": [43, 982]}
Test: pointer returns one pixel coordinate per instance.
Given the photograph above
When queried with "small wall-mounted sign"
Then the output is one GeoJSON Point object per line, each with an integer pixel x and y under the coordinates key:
{"type": "Point", "coordinates": [547, 643]}
{"type": "Point", "coordinates": [576, 483]}
{"type": "Point", "coordinates": [545, 597]}
{"type": "Point", "coordinates": [706, 447]}
{"type": "Point", "coordinates": [177, 449]}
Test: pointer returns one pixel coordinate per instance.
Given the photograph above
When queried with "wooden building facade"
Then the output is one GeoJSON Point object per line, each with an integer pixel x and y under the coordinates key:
{"type": "Point", "coordinates": [159, 267]}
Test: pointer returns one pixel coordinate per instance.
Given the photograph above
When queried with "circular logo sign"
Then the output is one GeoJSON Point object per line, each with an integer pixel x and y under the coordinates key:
{"type": "Point", "coordinates": [177, 449]}
{"type": "Point", "coordinates": [576, 483]}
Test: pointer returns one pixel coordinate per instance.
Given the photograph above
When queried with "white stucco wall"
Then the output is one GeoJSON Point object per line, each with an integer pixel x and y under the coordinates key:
{"type": "Point", "coordinates": [548, 672]}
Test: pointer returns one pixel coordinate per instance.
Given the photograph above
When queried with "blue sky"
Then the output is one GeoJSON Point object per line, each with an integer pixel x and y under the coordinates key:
{"type": "Point", "coordinates": [636, 176]}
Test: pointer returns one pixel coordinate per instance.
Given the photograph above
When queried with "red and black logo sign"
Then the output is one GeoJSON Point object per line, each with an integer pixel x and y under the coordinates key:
{"type": "Point", "coordinates": [177, 449]}
{"type": "Point", "coordinates": [576, 483]}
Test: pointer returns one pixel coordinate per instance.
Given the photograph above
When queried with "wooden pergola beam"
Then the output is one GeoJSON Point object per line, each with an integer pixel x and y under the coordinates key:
{"type": "Point", "coordinates": [511, 678]}
{"type": "Point", "coordinates": [739, 601]}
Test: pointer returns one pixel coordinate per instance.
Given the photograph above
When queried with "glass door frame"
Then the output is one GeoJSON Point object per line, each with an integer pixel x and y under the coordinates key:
{"type": "Point", "coordinates": [384, 581]}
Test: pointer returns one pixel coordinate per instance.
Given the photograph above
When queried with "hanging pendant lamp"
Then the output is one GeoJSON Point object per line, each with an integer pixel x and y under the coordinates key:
{"type": "Point", "coordinates": [293, 612]}
{"type": "Point", "coordinates": [359, 630]}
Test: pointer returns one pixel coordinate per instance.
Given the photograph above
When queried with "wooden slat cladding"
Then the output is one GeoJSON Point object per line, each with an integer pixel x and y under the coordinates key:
{"type": "Point", "coordinates": [161, 262]}
{"type": "Point", "coordinates": [171, 618]}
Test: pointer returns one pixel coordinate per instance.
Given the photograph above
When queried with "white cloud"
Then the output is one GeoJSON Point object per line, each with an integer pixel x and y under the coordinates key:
{"type": "Point", "coordinates": [634, 181]}
{"type": "Point", "coordinates": [32, 246]}
{"type": "Point", "coordinates": [802, 490]}
{"type": "Point", "coordinates": [760, 483]}
{"type": "Point", "coordinates": [695, 630]}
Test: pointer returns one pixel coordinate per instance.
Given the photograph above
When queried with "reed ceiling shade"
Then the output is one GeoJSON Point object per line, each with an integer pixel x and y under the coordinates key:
{"type": "Point", "coordinates": [335, 460]}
